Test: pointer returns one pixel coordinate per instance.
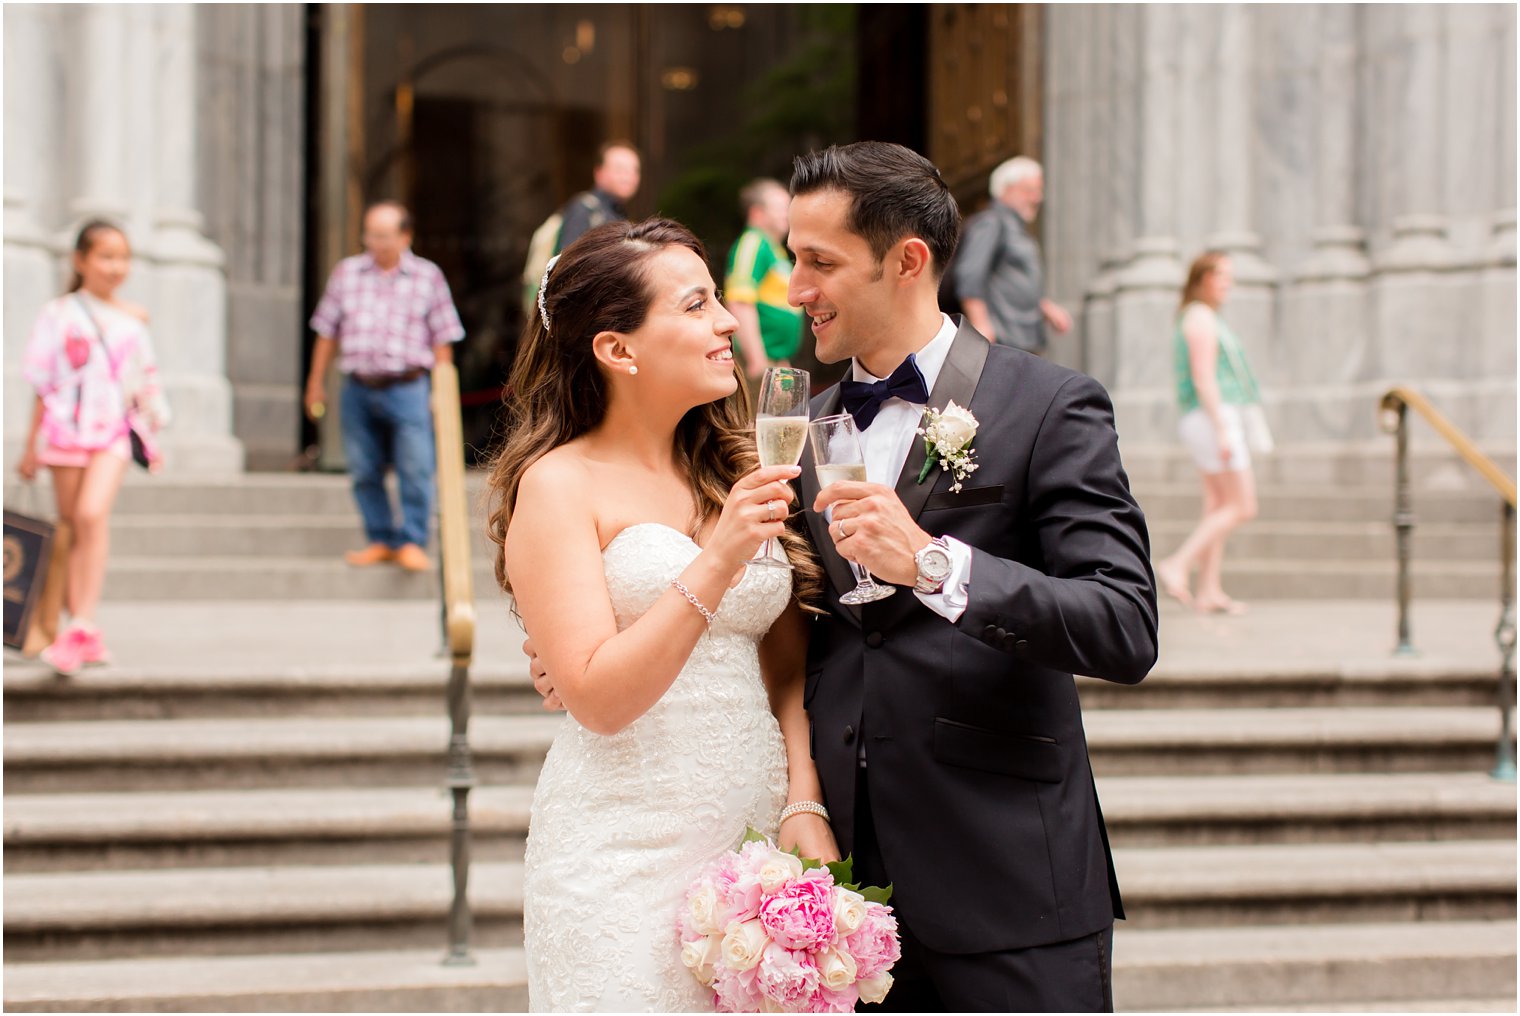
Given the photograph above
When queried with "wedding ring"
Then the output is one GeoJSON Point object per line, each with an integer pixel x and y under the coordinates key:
{"type": "Point", "coordinates": [842, 534]}
{"type": "Point", "coordinates": [770, 511]}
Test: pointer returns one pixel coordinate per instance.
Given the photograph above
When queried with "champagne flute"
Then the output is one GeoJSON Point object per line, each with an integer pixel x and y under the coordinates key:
{"type": "Point", "coordinates": [781, 427]}
{"type": "Point", "coordinates": [837, 456]}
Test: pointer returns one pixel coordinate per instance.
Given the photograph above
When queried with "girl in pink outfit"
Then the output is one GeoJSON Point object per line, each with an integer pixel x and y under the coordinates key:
{"type": "Point", "coordinates": [91, 363]}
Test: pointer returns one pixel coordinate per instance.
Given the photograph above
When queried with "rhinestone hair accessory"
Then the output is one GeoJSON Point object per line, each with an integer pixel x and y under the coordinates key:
{"type": "Point", "coordinates": [543, 284]}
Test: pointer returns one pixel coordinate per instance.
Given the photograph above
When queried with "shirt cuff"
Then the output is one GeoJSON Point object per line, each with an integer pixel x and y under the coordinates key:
{"type": "Point", "coordinates": [951, 601]}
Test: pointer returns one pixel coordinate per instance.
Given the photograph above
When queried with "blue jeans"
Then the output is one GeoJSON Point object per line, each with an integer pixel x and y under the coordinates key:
{"type": "Point", "coordinates": [390, 427]}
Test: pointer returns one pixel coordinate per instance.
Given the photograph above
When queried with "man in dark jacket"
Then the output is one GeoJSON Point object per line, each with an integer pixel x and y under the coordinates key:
{"type": "Point", "coordinates": [999, 273]}
{"type": "Point", "coordinates": [616, 180]}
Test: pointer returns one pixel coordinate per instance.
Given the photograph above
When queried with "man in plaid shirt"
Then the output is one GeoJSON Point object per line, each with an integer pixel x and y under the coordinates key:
{"type": "Point", "coordinates": [388, 317]}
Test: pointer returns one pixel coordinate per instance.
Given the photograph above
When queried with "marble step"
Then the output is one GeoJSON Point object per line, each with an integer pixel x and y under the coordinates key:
{"type": "Point", "coordinates": [500, 685]}
{"type": "Point", "coordinates": [402, 751]}
{"type": "Point", "coordinates": [226, 911]}
{"type": "Point", "coordinates": [1425, 967]}
{"type": "Point", "coordinates": [338, 826]}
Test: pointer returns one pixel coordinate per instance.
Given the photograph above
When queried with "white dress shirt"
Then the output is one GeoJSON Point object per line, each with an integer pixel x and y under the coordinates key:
{"type": "Point", "coordinates": [886, 444]}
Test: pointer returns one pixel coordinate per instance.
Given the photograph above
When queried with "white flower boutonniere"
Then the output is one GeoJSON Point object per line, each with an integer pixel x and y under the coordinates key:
{"type": "Point", "coordinates": [947, 439]}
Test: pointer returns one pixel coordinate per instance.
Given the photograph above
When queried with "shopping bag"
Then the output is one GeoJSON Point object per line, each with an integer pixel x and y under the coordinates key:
{"type": "Point", "coordinates": [36, 571]}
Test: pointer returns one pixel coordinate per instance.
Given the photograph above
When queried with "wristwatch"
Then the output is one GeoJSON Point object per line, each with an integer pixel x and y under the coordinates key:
{"type": "Point", "coordinates": [933, 566]}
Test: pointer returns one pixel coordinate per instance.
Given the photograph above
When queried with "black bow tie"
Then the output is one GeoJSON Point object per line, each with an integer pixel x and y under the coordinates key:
{"type": "Point", "coordinates": [863, 399]}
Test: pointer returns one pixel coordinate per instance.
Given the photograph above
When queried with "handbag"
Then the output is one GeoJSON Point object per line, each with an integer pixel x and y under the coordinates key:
{"type": "Point", "coordinates": [36, 578]}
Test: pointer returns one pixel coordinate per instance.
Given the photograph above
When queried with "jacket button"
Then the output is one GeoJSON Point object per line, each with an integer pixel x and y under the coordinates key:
{"type": "Point", "coordinates": [990, 631]}
{"type": "Point", "coordinates": [1021, 645]}
{"type": "Point", "coordinates": [849, 735]}
{"type": "Point", "coordinates": [1000, 633]}
{"type": "Point", "coordinates": [874, 640]}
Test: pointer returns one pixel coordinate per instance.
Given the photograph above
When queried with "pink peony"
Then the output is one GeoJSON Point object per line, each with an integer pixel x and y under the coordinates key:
{"type": "Point", "coordinates": [824, 1000]}
{"type": "Point", "coordinates": [874, 946]}
{"type": "Point", "coordinates": [737, 990]}
{"type": "Point", "coordinates": [801, 915]}
{"type": "Point", "coordinates": [786, 977]}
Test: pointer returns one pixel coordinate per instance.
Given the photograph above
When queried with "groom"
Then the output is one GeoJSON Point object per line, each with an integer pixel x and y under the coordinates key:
{"type": "Point", "coordinates": [945, 720]}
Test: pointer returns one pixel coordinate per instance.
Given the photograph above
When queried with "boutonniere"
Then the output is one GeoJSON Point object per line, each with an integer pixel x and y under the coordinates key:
{"type": "Point", "coordinates": [948, 434]}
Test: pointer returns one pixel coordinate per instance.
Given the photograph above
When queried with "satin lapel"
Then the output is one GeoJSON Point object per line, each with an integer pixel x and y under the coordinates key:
{"type": "Point", "coordinates": [838, 568]}
{"type": "Point", "coordinates": [956, 383]}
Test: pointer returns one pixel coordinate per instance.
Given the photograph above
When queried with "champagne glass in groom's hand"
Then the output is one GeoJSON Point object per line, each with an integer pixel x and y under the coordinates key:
{"type": "Point", "coordinates": [781, 431]}
{"type": "Point", "coordinates": [837, 456]}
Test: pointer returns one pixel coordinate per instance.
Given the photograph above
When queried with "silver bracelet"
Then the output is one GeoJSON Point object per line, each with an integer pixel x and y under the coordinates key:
{"type": "Point", "coordinates": [803, 808]}
{"type": "Point", "coordinates": [707, 615]}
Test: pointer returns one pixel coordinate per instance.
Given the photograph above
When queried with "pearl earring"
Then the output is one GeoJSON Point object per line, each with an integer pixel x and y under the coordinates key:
{"type": "Point", "coordinates": [633, 370]}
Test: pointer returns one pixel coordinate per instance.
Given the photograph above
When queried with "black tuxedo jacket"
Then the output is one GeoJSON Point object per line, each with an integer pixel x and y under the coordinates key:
{"type": "Point", "coordinates": [979, 778]}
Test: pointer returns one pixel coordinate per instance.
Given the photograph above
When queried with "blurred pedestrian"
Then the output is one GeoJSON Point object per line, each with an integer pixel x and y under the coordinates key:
{"type": "Point", "coordinates": [1221, 406]}
{"type": "Point", "coordinates": [999, 272]}
{"type": "Point", "coordinates": [615, 181]}
{"type": "Point", "coordinates": [759, 272]}
{"type": "Point", "coordinates": [91, 363]}
{"type": "Point", "coordinates": [388, 317]}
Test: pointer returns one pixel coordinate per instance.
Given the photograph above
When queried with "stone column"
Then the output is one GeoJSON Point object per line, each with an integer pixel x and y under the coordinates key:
{"type": "Point", "coordinates": [30, 266]}
{"type": "Point", "coordinates": [1325, 319]}
{"type": "Point", "coordinates": [190, 309]}
{"type": "Point", "coordinates": [1145, 299]}
{"type": "Point", "coordinates": [1250, 309]}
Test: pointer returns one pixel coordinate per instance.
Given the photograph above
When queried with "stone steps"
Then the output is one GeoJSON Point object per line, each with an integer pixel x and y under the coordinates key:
{"type": "Point", "coordinates": [499, 685]}
{"type": "Point", "coordinates": [346, 825]}
{"type": "Point", "coordinates": [230, 911]}
{"type": "Point", "coordinates": [1469, 966]}
{"type": "Point", "coordinates": [329, 535]}
{"type": "Point", "coordinates": [401, 751]}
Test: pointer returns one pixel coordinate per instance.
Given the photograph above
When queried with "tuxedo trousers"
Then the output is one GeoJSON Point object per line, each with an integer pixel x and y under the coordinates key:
{"type": "Point", "coordinates": [1071, 976]}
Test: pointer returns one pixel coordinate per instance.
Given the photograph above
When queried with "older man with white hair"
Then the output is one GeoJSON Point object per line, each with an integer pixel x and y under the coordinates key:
{"type": "Point", "coordinates": [999, 273]}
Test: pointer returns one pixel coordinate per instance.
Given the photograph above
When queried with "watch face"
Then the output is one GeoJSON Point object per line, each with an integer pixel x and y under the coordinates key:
{"type": "Point", "coordinates": [934, 565]}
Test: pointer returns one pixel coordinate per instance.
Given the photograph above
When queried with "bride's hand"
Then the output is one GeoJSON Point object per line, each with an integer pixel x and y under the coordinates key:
{"type": "Point", "coordinates": [756, 511]}
{"type": "Point", "coordinates": [810, 835]}
{"type": "Point", "coordinates": [541, 680]}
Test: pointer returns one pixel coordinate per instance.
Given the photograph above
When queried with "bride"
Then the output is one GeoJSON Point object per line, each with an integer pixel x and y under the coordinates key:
{"type": "Point", "coordinates": [627, 501]}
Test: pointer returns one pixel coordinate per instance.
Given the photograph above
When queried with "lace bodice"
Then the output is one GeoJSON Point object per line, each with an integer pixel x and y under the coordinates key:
{"type": "Point", "coordinates": [621, 824]}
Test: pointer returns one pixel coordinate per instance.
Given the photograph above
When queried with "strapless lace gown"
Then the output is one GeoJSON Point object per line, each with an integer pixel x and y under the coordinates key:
{"type": "Point", "coordinates": [622, 825]}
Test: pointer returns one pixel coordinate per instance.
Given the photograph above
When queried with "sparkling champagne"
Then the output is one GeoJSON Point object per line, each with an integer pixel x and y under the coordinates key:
{"type": "Point", "coordinates": [834, 472]}
{"type": "Point", "coordinates": [780, 439]}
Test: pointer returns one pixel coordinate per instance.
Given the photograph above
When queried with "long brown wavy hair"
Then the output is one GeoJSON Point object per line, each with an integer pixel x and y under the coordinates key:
{"type": "Point", "coordinates": [557, 391]}
{"type": "Point", "coordinates": [1203, 265]}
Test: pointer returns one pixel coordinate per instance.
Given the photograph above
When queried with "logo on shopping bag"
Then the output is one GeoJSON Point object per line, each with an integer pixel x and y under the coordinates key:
{"type": "Point", "coordinates": [26, 555]}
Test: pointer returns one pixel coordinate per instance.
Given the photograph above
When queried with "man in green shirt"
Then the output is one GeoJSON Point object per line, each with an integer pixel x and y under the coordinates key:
{"type": "Point", "coordinates": [754, 289]}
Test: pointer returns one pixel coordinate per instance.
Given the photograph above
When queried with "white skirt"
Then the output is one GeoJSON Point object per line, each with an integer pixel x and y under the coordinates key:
{"type": "Point", "coordinates": [1197, 433]}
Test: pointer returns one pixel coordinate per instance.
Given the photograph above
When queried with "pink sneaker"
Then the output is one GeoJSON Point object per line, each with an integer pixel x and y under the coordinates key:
{"type": "Point", "coordinates": [66, 654]}
{"type": "Point", "coordinates": [92, 652]}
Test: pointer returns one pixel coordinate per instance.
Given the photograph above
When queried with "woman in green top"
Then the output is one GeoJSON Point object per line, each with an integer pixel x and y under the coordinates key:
{"type": "Point", "coordinates": [1214, 387]}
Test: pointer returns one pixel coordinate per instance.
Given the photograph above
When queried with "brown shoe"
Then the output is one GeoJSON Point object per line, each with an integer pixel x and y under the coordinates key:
{"type": "Point", "coordinates": [413, 558]}
{"type": "Point", "coordinates": [375, 553]}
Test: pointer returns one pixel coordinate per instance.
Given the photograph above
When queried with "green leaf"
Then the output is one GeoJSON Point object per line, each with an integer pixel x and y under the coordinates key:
{"type": "Point", "coordinates": [873, 894]}
{"type": "Point", "coordinates": [752, 835]}
{"type": "Point", "coordinates": [842, 871]}
{"type": "Point", "coordinates": [929, 464]}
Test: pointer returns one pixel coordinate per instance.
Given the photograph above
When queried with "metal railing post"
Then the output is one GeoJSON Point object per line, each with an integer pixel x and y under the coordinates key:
{"type": "Point", "coordinates": [1403, 525]}
{"type": "Point", "coordinates": [459, 631]}
{"type": "Point", "coordinates": [1504, 766]}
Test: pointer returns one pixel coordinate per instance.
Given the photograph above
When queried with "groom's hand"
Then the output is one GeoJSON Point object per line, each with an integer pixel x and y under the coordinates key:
{"type": "Point", "coordinates": [873, 528]}
{"type": "Point", "coordinates": [540, 675]}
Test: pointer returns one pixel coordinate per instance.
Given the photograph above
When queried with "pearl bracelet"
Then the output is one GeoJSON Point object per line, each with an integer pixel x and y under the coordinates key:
{"type": "Point", "coordinates": [803, 808]}
{"type": "Point", "coordinates": [707, 615]}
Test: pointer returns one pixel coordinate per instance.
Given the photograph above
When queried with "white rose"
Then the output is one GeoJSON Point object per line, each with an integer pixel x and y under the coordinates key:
{"type": "Point", "coordinates": [836, 969]}
{"type": "Point", "coordinates": [779, 869]}
{"type": "Point", "coordinates": [703, 910]}
{"type": "Point", "coordinates": [701, 957]}
{"type": "Point", "coordinates": [849, 911]}
{"type": "Point", "coordinates": [874, 989]}
{"type": "Point", "coordinates": [743, 944]}
{"type": "Point", "coordinates": [955, 427]}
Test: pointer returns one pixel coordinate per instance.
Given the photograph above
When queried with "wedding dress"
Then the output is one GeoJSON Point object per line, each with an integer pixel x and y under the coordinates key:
{"type": "Point", "coordinates": [622, 824]}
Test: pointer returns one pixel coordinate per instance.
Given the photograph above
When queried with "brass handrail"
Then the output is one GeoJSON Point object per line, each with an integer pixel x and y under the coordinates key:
{"type": "Point", "coordinates": [1394, 415]}
{"type": "Point", "coordinates": [459, 628]}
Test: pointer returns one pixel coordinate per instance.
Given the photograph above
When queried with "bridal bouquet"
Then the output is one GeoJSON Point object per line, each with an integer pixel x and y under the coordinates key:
{"type": "Point", "coordinates": [769, 931]}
